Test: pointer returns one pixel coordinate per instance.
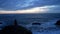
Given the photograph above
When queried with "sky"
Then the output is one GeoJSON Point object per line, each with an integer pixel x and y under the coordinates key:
{"type": "Point", "coordinates": [29, 6]}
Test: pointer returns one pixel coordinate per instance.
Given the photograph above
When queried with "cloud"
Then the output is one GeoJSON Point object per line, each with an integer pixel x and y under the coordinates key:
{"type": "Point", "coordinates": [32, 10]}
{"type": "Point", "coordinates": [25, 4]}
{"type": "Point", "coordinates": [55, 9]}
{"type": "Point", "coordinates": [43, 9]}
{"type": "Point", "coordinates": [29, 6]}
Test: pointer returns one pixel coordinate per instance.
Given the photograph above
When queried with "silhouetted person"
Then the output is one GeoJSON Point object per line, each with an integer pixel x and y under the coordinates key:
{"type": "Point", "coordinates": [15, 23]}
{"type": "Point", "coordinates": [15, 29]}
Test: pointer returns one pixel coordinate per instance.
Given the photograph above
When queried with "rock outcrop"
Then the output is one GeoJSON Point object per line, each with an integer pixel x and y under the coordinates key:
{"type": "Point", "coordinates": [36, 23]}
{"type": "Point", "coordinates": [57, 23]}
{"type": "Point", "coordinates": [15, 29]}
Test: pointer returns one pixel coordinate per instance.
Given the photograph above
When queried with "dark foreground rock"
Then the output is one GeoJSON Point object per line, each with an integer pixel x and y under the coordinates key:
{"type": "Point", "coordinates": [57, 23]}
{"type": "Point", "coordinates": [15, 29]}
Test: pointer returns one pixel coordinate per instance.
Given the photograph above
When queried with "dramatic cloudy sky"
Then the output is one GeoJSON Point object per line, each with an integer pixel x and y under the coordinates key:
{"type": "Point", "coordinates": [29, 6]}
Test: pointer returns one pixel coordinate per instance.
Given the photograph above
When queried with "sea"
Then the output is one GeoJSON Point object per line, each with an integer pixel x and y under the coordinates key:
{"type": "Point", "coordinates": [47, 22]}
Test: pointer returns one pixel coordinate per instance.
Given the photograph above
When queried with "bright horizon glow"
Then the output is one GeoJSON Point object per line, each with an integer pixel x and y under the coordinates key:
{"type": "Point", "coordinates": [42, 9]}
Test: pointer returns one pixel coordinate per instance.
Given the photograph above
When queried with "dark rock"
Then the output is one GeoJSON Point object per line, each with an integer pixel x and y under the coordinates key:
{"type": "Point", "coordinates": [57, 23]}
{"type": "Point", "coordinates": [15, 29]}
{"type": "Point", "coordinates": [0, 22]}
{"type": "Point", "coordinates": [36, 23]}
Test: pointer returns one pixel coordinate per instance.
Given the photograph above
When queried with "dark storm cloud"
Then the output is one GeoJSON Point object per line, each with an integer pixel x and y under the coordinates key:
{"type": "Point", "coordinates": [25, 4]}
